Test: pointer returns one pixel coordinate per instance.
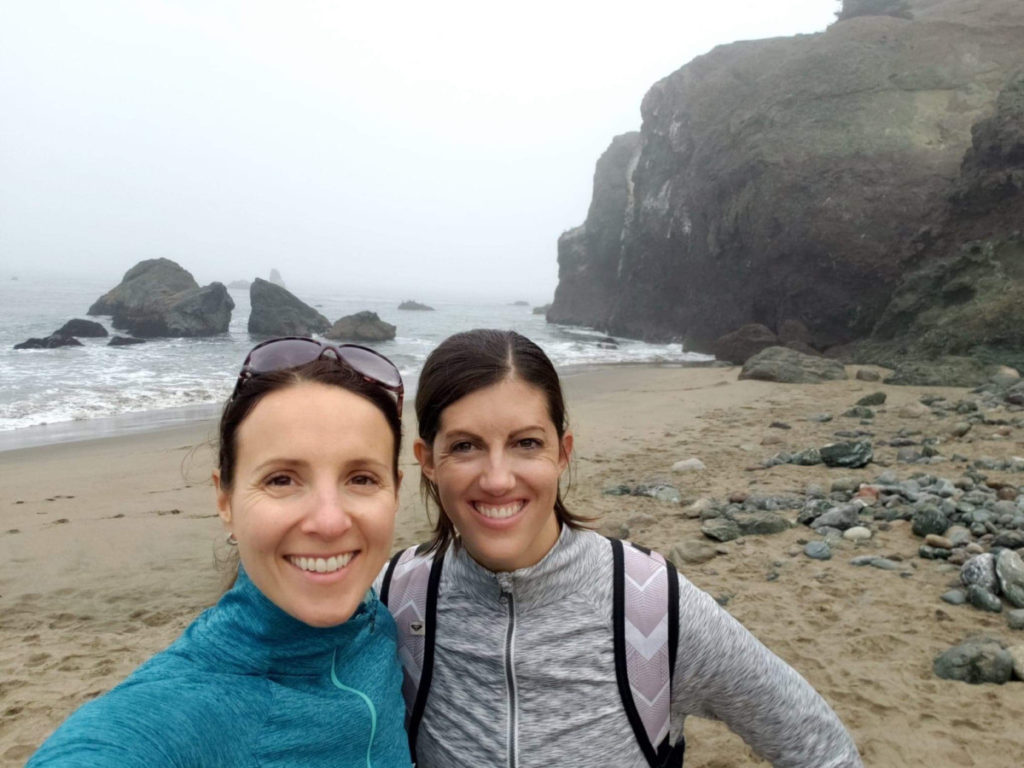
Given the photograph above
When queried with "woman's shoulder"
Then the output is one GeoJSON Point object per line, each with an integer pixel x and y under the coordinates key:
{"type": "Point", "coordinates": [165, 713]}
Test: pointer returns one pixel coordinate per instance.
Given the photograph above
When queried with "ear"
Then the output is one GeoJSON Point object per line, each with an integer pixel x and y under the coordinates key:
{"type": "Point", "coordinates": [223, 499]}
{"type": "Point", "coordinates": [425, 456]}
{"type": "Point", "coordinates": [566, 453]}
{"type": "Point", "coordinates": [398, 481]}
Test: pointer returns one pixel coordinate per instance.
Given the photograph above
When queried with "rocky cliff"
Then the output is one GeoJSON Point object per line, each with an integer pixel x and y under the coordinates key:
{"type": "Point", "coordinates": [803, 178]}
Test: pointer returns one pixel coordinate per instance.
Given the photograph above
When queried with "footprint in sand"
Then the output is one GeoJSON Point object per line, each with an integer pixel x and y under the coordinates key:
{"type": "Point", "coordinates": [36, 659]}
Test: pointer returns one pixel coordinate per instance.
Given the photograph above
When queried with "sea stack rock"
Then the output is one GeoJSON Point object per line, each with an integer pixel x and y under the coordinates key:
{"type": "Point", "coordinates": [276, 279]}
{"type": "Point", "coordinates": [87, 329]}
{"type": "Point", "coordinates": [415, 306]}
{"type": "Point", "coordinates": [277, 312]}
{"type": "Point", "coordinates": [158, 298]}
{"type": "Point", "coordinates": [362, 326]}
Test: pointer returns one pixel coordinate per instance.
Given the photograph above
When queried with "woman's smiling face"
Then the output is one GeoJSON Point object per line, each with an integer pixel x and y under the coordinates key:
{"type": "Point", "coordinates": [314, 499]}
{"type": "Point", "coordinates": [496, 461]}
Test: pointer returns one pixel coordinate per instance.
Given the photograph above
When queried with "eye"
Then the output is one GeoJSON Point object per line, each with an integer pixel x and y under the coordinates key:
{"type": "Point", "coordinates": [279, 481]}
{"type": "Point", "coordinates": [364, 479]}
{"type": "Point", "coordinates": [461, 447]}
{"type": "Point", "coordinates": [530, 443]}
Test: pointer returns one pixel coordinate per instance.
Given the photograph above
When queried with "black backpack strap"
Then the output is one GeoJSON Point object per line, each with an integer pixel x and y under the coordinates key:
{"type": "Point", "coordinates": [385, 586]}
{"type": "Point", "coordinates": [427, 672]}
{"type": "Point", "coordinates": [645, 621]}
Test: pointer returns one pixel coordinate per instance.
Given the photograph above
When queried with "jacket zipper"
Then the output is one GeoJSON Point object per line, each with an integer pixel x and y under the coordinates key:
{"type": "Point", "coordinates": [510, 674]}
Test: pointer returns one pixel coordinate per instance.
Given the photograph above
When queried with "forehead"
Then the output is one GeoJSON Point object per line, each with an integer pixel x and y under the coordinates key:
{"type": "Point", "coordinates": [509, 404]}
{"type": "Point", "coordinates": [310, 419]}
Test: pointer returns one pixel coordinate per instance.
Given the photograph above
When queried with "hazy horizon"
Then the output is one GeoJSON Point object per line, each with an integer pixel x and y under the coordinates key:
{"type": "Point", "coordinates": [431, 151]}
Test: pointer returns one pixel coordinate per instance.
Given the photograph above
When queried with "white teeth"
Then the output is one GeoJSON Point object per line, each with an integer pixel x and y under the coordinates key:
{"type": "Point", "coordinates": [320, 564]}
{"type": "Point", "coordinates": [498, 513]}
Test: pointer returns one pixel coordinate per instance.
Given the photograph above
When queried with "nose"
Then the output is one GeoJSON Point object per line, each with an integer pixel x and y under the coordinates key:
{"type": "Point", "coordinates": [498, 477]}
{"type": "Point", "coordinates": [327, 516]}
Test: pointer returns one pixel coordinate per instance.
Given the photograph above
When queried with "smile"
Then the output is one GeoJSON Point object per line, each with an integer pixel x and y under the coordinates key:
{"type": "Point", "coordinates": [499, 513]}
{"type": "Point", "coordinates": [321, 564]}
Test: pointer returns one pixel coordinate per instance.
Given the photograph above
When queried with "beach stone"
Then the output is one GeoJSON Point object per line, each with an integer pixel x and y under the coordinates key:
{"type": "Point", "coordinates": [933, 553]}
{"type": "Point", "coordinates": [699, 507]}
{"type": "Point", "coordinates": [1015, 618]}
{"type": "Point", "coordinates": [692, 552]}
{"type": "Point", "coordinates": [857, 533]}
{"type": "Point", "coordinates": [821, 418]}
{"type": "Point", "coordinates": [980, 570]}
{"type": "Point", "coordinates": [844, 485]}
{"type": "Point", "coordinates": [1009, 539]}
{"type": "Point", "coordinates": [762, 523]}
{"type": "Point", "coordinates": [928, 520]}
{"type": "Point", "coordinates": [960, 429]}
{"type": "Point", "coordinates": [934, 540]}
{"type": "Point", "coordinates": [852, 455]}
{"type": "Point", "coordinates": [818, 550]}
{"type": "Point", "coordinates": [693, 464]}
{"type": "Point", "coordinates": [859, 412]}
{"type": "Point", "coordinates": [1017, 654]}
{"type": "Point", "coordinates": [1006, 493]}
{"type": "Point", "coordinates": [976, 660]}
{"type": "Point", "coordinates": [958, 535]}
{"type": "Point", "coordinates": [866, 375]}
{"type": "Point", "coordinates": [1010, 571]}
{"type": "Point", "coordinates": [841, 518]}
{"type": "Point", "coordinates": [883, 563]}
{"type": "Point", "coordinates": [955, 597]}
{"type": "Point", "coordinates": [913, 411]}
{"type": "Point", "coordinates": [721, 529]}
{"type": "Point", "coordinates": [771, 440]}
{"type": "Point", "coordinates": [983, 599]}
{"type": "Point", "coordinates": [875, 398]}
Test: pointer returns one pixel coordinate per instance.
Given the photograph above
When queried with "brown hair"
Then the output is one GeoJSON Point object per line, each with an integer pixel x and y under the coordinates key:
{"type": "Point", "coordinates": [324, 371]}
{"type": "Point", "coordinates": [470, 361]}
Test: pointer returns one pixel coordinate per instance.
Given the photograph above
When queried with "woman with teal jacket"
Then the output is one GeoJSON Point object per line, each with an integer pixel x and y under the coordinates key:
{"type": "Point", "coordinates": [296, 664]}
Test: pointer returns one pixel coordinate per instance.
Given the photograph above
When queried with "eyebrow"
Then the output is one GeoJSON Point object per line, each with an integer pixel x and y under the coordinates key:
{"type": "Point", "coordinates": [466, 433]}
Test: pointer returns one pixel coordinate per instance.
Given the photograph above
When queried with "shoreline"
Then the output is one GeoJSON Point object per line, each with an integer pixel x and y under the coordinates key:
{"type": "Point", "coordinates": [135, 422]}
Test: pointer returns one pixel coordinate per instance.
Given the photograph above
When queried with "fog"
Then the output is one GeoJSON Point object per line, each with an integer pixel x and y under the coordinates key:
{"type": "Point", "coordinates": [429, 149]}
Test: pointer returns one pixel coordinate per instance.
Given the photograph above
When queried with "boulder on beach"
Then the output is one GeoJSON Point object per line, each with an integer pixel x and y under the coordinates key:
{"type": "Point", "coordinates": [791, 367]}
{"type": "Point", "coordinates": [278, 312]}
{"type": "Point", "coordinates": [976, 660]}
{"type": "Point", "coordinates": [415, 306]}
{"type": "Point", "coordinates": [159, 298]}
{"type": "Point", "coordinates": [362, 326]}
{"type": "Point", "coordinates": [87, 329]}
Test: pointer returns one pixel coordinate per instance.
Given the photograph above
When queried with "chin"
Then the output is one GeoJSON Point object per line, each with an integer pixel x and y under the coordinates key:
{"type": "Point", "coordinates": [322, 618]}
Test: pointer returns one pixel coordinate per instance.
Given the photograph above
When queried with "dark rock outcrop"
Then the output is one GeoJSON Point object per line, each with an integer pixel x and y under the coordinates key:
{"type": "Point", "coordinates": [791, 367]}
{"type": "Point", "coordinates": [87, 329]}
{"type": "Point", "coordinates": [743, 343]}
{"type": "Point", "coordinates": [124, 341]}
{"type": "Point", "coordinates": [588, 256]}
{"type": "Point", "coordinates": [158, 298]}
{"type": "Point", "coordinates": [277, 312]}
{"type": "Point", "coordinates": [803, 178]}
{"type": "Point", "coordinates": [362, 326]}
{"type": "Point", "coordinates": [415, 306]}
{"type": "Point", "coordinates": [50, 342]}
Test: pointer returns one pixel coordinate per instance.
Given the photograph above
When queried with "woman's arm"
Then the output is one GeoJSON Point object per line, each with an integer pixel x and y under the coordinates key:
{"type": "Point", "coordinates": [723, 672]}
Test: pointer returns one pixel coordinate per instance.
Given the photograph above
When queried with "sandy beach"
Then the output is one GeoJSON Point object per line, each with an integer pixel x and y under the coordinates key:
{"type": "Point", "coordinates": [110, 549]}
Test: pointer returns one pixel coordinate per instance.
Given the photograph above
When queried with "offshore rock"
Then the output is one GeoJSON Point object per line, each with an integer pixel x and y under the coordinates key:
{"type": "Point", "coordinates": [50, 342]}
{"type": "Point", "coordinates": [415, 306]}
{"type": "Point", "coordinates": [87, 329]}
{"type": "Point", "coordinates": [362, 326]}
{"type": "Point", "coordinates": [278, 312]}
{"type": "Point", "coordinates": [157, 298]}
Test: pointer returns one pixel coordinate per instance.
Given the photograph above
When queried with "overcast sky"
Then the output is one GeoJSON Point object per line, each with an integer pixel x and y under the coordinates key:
{"type": "Point", "coordinates": [430, 149]}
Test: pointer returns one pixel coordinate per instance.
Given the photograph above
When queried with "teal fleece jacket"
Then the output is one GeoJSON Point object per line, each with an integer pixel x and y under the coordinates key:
{"type": "Point", "coordinates": [248, 685]}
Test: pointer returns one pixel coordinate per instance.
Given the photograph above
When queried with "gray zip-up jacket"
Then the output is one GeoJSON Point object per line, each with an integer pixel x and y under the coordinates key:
{"type": "Point", "coordinates": [524, 673]}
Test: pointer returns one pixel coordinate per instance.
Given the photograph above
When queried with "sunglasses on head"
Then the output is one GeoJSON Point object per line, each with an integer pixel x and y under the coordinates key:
{"type": "Point", "coordinates": [292, 351]}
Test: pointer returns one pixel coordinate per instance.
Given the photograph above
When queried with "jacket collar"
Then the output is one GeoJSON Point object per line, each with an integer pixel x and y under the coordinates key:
{"type": "Point", "coordinates": [556, 575]}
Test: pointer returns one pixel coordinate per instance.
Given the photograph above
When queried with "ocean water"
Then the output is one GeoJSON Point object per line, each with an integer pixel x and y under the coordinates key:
{"type": "Point", "coordinates": [72, 392]}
